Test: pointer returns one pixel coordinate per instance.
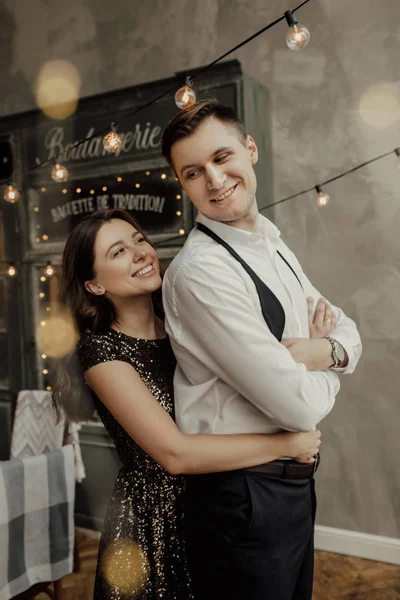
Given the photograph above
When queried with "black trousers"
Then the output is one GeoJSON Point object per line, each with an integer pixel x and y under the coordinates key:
{"type": "Point", "coordinates": [250, 536]}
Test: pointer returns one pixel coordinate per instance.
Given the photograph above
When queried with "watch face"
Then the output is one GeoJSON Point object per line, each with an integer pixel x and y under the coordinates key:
{"type": "Point", "coordinates": [340, 352]}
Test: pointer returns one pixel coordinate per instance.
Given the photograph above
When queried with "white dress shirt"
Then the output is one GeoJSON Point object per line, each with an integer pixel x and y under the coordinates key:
{"type": "Point", "coordinates": [233, 375]}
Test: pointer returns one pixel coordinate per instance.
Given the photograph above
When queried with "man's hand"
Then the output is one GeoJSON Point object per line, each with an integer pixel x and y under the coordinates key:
{"type": "Point", "coordinates": [323, 321]}
{"type": "Point", "coordinates": [316, 354]}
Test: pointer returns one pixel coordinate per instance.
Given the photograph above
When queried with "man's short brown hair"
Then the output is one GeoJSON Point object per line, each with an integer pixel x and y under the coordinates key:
{"type": "Point", "coordinates": [188, 120]}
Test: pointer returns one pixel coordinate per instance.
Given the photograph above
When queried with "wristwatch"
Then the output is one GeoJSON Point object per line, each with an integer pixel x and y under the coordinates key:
{"type": "Point", "coordinates": [338, 353]}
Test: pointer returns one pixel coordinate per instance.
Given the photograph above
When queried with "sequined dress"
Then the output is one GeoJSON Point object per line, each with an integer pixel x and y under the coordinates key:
{"type": "Point", "coordinates": [141, 554]}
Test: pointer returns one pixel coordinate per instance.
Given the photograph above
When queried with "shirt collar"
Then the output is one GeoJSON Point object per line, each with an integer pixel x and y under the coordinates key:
{"type": "Point", "coordinates": [233, 235]}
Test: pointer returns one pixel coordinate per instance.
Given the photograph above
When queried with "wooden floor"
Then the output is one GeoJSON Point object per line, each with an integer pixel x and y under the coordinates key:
{"type": "Point", "coordinates": [337, 577]}
{"type": "Point", "coordinates": [340, 577]}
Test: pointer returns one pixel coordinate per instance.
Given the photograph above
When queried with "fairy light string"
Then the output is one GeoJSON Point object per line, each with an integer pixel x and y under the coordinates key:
{"type": "Point", "coordinates": [171, 90]}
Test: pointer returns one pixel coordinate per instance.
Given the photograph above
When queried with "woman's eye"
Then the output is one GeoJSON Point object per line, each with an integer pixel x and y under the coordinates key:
{"type": "Point", "coordinates": [221, 158]}
{"type": "Point", "coordinates": [118, 251]}
{"type": "Point", "coordinates": [192, 174]}
{"type": "Point", "coordinates": [140, 239]}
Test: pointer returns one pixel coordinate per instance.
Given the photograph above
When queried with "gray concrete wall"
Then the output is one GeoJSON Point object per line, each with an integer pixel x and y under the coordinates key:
{"type": "Point", "coordinates": [333, 106]}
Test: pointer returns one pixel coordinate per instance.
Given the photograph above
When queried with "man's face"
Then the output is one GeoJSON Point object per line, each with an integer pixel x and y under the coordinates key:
{"type": "Point", "coordinates": [216, 171]}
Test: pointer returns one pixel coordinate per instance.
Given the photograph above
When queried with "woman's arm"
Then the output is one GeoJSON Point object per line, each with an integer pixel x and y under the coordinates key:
{"type": "Point", "coordinates": [122, 391]}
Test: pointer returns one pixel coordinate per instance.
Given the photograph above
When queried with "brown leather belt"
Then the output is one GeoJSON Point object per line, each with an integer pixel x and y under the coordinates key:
{"type": "Point", "coordinates": [286, 469]}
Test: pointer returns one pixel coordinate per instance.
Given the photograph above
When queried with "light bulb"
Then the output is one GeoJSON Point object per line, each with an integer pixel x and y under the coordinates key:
{"type": "Point", "coordinates": [59, 173]}
{"type": "Point", "coordinates": [112, 142]}
{"type": "Point", "coordinates": [11, 271]}
{"type": "Point", "coordinates": [11, 194]}
{"type": "Point", "coordinates": [49, 270]}
{"type": "Point", "coordinates": [185, 96]}
{"type": "Point", "coordinates": [298, 36]}
{"type": "Point", "coordinates": [322, 198]}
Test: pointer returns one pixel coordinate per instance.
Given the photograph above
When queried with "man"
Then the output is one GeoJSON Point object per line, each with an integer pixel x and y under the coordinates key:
{"type": "Point", "coordinates": [230, 296]}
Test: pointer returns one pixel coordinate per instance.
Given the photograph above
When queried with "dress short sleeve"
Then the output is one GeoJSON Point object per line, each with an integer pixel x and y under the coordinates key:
{"type": "Point", "coordinates": [95, 348]}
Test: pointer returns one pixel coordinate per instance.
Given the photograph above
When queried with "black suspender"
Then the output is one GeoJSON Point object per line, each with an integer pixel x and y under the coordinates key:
{"type": "Point", "coordinates": [271, 308]}
{"type": "Point", "coordinates": [291, 268]}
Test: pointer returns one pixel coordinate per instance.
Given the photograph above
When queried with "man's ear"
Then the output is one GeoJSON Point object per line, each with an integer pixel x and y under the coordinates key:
{"type": "Point", "coordinates": [94, 288]}
{"type": "Point", "coordinates": [253, 150]}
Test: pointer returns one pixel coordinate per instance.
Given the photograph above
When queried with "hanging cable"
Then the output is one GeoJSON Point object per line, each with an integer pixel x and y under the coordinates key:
{"type": "Point", "coordinates": [352, 170]}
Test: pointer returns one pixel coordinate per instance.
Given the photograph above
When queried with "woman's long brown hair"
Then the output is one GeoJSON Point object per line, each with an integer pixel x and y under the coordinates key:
{"type": "Point", "coordinates": [91, 313]}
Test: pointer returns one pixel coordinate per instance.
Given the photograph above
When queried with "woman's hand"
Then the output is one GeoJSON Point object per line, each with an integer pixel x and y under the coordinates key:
{"type": "Point", "coordinates": [323, 321]}
{"type": "Point", "coordinates": [305, 446]}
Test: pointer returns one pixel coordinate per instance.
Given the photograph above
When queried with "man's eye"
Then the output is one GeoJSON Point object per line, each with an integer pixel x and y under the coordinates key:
{"type": "Point", "coordinates": [221, 158]}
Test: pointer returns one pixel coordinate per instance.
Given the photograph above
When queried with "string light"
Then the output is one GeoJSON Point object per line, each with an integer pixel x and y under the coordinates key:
{"type": "Point", "coordinates": [298, 36]}
{"type": "Point", "coordinates": [49, 270]}
{"type": "Point", "coordinates": [112, 142]}
{"type": "Point", "coordinates": [352, 170]}
{"type": "Point", "coordinates": [322, 198]}
{"type": "Point", "coordinates": [173, 89]}
{"type": "Point", "coordinates": [185, 96]}
{"type": "Point", "coordinates": [59, 173]}
{"type": "Point", "coordinates": [11, 271]}
{"type": "Point", "coordinates": [11, 194]}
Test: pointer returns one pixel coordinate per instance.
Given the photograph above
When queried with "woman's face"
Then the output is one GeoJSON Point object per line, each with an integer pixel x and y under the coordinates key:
{"type": "Point", "coordinates": [125, 263]}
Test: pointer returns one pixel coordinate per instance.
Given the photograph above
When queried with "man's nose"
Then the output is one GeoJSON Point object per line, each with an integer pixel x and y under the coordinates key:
{"type": "Point", "coordinates": [215, 178]}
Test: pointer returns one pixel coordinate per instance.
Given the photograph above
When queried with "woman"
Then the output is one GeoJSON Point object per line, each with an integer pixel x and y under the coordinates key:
{"type": "Point", "coordinates": [110, 282]}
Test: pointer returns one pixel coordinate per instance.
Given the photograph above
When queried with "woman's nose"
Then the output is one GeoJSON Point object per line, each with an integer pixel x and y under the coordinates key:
{"type": "Point", "coordinates": [138, 254]}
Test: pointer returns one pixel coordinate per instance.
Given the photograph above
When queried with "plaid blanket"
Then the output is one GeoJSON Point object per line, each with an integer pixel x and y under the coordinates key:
{"type": "Point", "coordinates": [36, 520]}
